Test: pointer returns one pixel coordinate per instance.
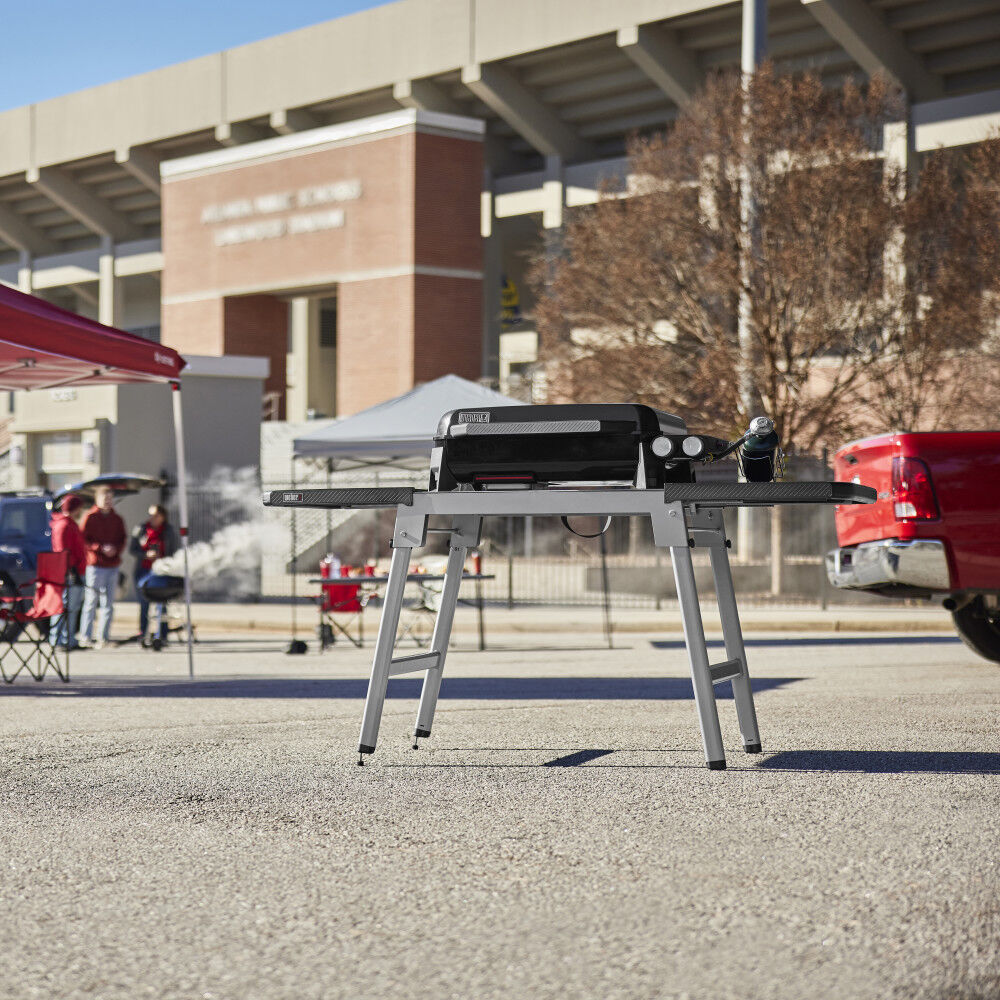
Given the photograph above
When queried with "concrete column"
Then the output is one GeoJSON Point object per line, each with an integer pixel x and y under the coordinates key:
{"type": "Point", "coordinates": [107, 289]}
{"type": "Point", "coordinates": [25, 272]}
{"type": "Point", "coordinates": [754, 36]}
{"type": "Point", "coordinates": [322, 363]}
{"type": "Point", "coordinates": [749, 520]}
{"type": "Point", "coordinates": [492, 277]}
{"type": "Point", "coordinates": [897, 148]}
{"type": "Point", "coordinates": [554, 193]}
{"type": "Point", "coordinates": [297, 364]}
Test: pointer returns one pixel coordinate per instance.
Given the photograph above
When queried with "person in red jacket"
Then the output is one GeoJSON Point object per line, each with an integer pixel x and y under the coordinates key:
{"type": "Point", "coordinates": [104, 537]}
{"type": "Point", "coordinates": [67, 537]}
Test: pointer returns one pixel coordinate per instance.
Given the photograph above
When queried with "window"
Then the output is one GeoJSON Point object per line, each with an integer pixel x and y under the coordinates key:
{"type": "Point", "coordinates": [328, 323]}
{"type": "Point", "coordinates": [23, 519]}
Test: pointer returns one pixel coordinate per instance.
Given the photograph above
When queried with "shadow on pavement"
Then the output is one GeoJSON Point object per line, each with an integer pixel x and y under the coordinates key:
{"type": "Point", "coordinates": [859, 761]}
{"type": "Point", "coordinates": [576, 758]}
{"type": "Point", "coordinates": [885, 761]}
{"type": "Point", "coordinates": [833, 640]}
{"type": "Point", "coordinates": [452, 688]}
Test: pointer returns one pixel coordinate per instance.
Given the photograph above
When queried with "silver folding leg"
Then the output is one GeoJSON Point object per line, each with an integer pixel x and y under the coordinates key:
{"type": "Point", "coordinates": [465, 534]}
{"type": "Point", "coordinates": [733, 634]}
{"type": "Point", "coordinates": [701, 670]}
{"type": "Point", "coordinates": [385, 644]}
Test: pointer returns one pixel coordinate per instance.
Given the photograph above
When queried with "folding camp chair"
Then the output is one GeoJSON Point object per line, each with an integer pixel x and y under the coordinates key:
{"type": "Point", "coordinates": [33, 627]}
{"type": "Point", "coordinates": [341, 607]}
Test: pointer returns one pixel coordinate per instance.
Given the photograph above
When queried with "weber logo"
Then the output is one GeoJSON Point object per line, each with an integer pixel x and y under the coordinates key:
{"type": "Point", "coordinates": [291, 497]}
{"type": "Point", "coordinates": [164, 359]}
{"type": "Point", "coordinates": [473, 417]}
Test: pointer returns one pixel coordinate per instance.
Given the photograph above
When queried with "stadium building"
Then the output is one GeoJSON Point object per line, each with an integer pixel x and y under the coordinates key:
{"type": "Point", "coordinates": [355, 203]}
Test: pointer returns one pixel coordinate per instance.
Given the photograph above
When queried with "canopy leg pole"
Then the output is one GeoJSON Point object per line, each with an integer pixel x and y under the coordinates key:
{"type": "Point", "coordinates": [182, 503]}
{"type": "Point", "coordinates": [295, 568]}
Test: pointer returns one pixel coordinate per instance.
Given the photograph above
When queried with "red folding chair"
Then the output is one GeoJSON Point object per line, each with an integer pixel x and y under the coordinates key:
{"type": "Point", "coordinates": [346, 599]}
{"type": "Point", "coordinates": [33, 627]}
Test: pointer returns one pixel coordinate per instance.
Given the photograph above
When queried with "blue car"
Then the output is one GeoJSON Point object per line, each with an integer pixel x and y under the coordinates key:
{"type": "Point", "coordinates": [25, 530]}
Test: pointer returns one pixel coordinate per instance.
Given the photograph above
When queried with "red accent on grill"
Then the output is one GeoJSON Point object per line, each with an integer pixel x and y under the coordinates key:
{"type": "Point", "coordinates": [529, 478]}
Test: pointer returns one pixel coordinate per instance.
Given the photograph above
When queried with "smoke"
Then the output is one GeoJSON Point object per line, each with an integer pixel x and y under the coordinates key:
{"type": "Point", "coordinates": [229, 563]}
{"type": "Point", "coordinates": [242, 536]}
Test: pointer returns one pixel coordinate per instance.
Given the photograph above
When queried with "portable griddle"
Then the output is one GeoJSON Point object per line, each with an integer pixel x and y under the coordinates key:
{"type": "Point", "coordinates": [570, 460]}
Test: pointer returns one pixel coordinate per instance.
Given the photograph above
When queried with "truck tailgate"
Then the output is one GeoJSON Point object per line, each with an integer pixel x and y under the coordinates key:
{"type": "Point", "coordinates": [869, 463]}
{"type": "Point", "coordinates": [964, 469]}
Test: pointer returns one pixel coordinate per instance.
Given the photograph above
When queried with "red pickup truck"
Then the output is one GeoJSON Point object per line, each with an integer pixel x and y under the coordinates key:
{"type": "Point", "coordinates": [933, 532]}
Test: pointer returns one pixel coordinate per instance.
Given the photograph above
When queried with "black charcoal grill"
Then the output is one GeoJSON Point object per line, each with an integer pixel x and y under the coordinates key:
{"type": "Point", "coordinates": [162, 589]}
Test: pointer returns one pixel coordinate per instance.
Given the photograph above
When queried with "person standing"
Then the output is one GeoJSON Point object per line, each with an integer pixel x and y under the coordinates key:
{"type": "Point", "coordinates": [67, 537]}
{"type": "Point", "coordinates": [104, 537]}
{"type": "Point", "coordinates": [156, 539]}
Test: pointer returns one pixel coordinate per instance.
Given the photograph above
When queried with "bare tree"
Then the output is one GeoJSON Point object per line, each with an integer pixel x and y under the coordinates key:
{"type": "Point", "coordinates": [937, 365]}
{"type": "Point", "coordinates": [867, 288]}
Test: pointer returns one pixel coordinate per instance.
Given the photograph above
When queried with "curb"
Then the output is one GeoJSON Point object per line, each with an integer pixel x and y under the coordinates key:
{"type": "Point", "coordinates": [753, 623]}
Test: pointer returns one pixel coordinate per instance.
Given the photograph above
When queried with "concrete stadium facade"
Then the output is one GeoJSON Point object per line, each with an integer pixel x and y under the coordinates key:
{"type": "Point", "coordinates": [537, 97]}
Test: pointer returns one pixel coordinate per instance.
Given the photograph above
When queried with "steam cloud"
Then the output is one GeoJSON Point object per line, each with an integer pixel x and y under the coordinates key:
{"type": "Point", "coordinates": [228, 564]}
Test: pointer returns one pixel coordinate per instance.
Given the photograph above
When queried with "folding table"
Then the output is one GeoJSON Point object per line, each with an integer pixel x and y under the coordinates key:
{"type": "Point", "coordinates": [366, 590]}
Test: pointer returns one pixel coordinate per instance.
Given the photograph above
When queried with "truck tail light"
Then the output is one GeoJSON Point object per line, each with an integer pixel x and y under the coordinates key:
{"type": "Point", "coordinates": [912, 491]}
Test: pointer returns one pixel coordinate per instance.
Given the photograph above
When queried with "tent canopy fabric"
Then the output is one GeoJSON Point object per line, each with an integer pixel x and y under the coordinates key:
{"type": "Point", "coordinates": [399, 428]}
{"type": "Point", "coordinates": [43, 346]}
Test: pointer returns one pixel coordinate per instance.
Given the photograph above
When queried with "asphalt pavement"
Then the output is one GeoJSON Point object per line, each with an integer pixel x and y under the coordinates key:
{"type": "Point", "coordinates": [557, 837]}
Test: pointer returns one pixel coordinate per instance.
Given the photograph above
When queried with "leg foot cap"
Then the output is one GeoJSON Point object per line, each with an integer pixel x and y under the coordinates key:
{"type": "Point", "coordinates": [752, 747]}
{"type": "Point", "coordinates": [716, 765]}
{"type": "Point", "coordinates": [421, 733]}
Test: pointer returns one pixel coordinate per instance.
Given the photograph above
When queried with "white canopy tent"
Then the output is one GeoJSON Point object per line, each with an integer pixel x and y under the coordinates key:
{"type": "Point", "coordinates": [398, 431]}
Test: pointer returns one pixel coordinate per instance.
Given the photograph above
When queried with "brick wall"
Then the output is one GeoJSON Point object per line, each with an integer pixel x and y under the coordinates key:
{"type": "Point", "coordinates": [258, 325]}
{"type": "Point", "coordinates": [447, 333]}
{"type": "Point", "coordinates": [374, 342]}
{"type": "Point", "coordinates": [418, 209]}
{"type": "Point", "coordinates": [448, 184]}
{"type": "Point", "coordinates": [377, 230]}
{"type": "Point", "coordinates": [194, 327]}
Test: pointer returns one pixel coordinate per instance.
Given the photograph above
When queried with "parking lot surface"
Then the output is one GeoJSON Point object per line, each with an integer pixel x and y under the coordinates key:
{"type": "Point", "coordinates": [557, 837]}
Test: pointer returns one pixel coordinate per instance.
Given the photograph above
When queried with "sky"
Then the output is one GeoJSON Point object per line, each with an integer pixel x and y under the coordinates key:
{"type": "Point", "coordinates": [52, 47]}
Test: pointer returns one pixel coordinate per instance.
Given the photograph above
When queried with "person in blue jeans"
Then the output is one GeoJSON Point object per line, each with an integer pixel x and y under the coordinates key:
{"type": "Point", "coordinates": [104, 537]}
{"type": "Point", "coordinates": [156, 539]}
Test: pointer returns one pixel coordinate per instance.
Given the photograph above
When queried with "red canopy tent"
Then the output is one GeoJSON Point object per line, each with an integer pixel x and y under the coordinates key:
{"type": "Point", "coordinates": [43, 346]}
